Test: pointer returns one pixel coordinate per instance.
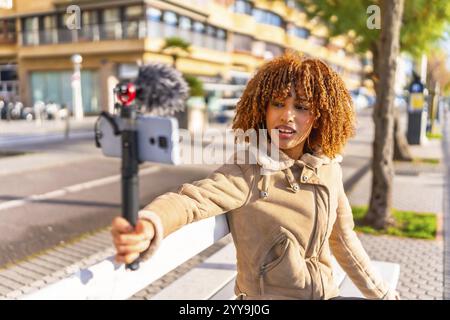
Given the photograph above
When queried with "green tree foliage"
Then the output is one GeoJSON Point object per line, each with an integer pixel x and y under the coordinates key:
{"type": "Point", "coordinates": [195, 85]}
{"type": "Point", "coordinates": [176, 47]}
{"type": "Point", "coordinates": [424, 22]}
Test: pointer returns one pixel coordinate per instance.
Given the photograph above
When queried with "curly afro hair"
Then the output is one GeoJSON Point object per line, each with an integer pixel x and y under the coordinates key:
{"type": "Point", "coordinates": [322, 87]}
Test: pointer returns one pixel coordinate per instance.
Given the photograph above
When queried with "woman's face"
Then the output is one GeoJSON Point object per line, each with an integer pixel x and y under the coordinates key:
{"type": "Point", "coordinates": [292, 121]}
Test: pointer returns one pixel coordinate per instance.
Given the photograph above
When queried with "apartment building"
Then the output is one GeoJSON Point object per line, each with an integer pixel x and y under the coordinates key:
{"type": "Point", "coordinates": [229, 40]}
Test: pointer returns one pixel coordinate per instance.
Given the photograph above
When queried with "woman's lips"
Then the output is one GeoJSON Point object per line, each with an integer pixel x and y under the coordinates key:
{"type": "Point", "coordinates": [285, 132]}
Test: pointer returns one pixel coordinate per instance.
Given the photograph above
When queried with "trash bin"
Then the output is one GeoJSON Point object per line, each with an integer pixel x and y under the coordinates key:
{"type": "Point", "coordinates": [417, 113]}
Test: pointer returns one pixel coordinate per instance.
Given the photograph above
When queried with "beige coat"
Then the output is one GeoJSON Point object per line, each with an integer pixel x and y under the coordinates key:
{"type": "Point", "coordinates": [286, 218]}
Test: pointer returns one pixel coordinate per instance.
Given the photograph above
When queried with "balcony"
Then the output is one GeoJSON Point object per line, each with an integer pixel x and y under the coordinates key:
{"type": "Point", "coordinates": [120, 31]}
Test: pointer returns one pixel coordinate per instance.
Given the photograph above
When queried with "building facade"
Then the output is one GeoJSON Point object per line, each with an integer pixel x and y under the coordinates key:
{"type": "Point", "coordinates": [229, 40]}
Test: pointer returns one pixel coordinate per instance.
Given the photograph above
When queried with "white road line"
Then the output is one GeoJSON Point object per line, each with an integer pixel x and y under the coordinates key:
{"type": "Point", "coordinates": [70, 189]}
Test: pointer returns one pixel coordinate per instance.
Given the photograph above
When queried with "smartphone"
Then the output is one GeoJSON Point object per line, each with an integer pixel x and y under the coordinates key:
{"type": "Point", "coordinates": [158, 138]}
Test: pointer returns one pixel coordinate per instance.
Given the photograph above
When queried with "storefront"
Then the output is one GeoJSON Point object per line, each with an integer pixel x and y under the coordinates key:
{"type": "Point", "coordinates": [55, 86]}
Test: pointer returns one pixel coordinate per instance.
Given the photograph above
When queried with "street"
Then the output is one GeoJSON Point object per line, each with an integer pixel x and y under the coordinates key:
{"type": "Point", "coordinates": [40, 208]}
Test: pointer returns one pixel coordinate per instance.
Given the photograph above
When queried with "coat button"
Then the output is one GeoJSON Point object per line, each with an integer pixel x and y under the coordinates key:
{"type": "Point", "coordinates": [304, 178]}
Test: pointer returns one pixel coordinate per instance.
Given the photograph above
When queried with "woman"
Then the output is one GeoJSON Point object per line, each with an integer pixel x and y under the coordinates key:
{"type": "Point", "coordinates": [288, 212]}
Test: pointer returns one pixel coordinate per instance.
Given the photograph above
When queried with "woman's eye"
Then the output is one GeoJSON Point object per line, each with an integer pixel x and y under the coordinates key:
{"type": "Point", "coordinates": [278, 104]}
{"type": "Point", "coordinates": [301, 107]}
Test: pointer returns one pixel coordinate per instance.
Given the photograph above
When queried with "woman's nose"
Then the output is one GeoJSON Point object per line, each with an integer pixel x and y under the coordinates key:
{"type": "Point", "coordinates": [288, 113]}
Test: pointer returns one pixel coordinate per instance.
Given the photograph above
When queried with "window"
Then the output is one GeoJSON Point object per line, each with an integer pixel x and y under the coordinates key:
{"type": "Point", "coordinates": [154, 14]}
{"type": "Point", "coordinates": [170, 18]}
{"type": "Point", "coordinates": [221, 34]}
{"type": "Point", "coordinates": [31, 30]}
{"type": "Point", "coordinates": [8, 75]}
{"type": "Point", "coordinates": [133, 15]}
{"type": "Point", "coordinates": [274, 49]}
{"type": "Point", "coordinates": [242, 6]}
{"type": "Point", "coordinates": [49, 32]}
{"type": "Point", "coordinates": [112, 28]}
{"type": "Point", "coordinates": [54, 86]}
{"type": "Point", "coordinates": [89, 18]}
{"type": "Point", "coordinates": [211, 31]}
{"type": "Point", "coordinates": [267, 17]}
{"type": "Point", "coordinates": [299, 32]}
{"type": "Point", "coordinates": [185, 23]}
{"type": "Point", "coordinates": [7, 31]}
{"type": "Point", "coordinates": [199, 27]}
{"type": "Point", "coordinates": [242, 43]}
{"type": "Point", "coordinates": [111, 15]}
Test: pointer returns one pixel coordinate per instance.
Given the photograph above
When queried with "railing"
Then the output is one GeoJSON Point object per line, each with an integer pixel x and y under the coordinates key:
{"type": "Point", "coordinates": [120, 31]}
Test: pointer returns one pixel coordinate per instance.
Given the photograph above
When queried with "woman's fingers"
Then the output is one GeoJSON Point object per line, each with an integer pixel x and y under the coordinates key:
{"type": "Point", "coordinates": [130, 239]}
{"type": "Point", "coordinates": [137, 248]}
{"type": "Point", "coordinates": [127, 258]}
{"type": "Point", "coordinates": [121, 225]}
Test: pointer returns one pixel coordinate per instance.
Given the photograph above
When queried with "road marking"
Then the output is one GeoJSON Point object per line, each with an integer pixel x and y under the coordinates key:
{"type": "Point", "coordinates": [70, 189]}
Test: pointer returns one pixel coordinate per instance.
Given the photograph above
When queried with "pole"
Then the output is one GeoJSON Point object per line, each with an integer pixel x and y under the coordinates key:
{"type": "Point", "coordinates": [130, 168]}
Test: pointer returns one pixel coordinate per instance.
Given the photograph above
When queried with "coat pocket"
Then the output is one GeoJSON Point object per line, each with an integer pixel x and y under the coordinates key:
{"type": "Point", "coordinates": [283, 269]}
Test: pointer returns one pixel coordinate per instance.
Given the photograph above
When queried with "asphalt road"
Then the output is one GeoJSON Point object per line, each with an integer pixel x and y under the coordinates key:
{"type": "Point", "coordinates": [42, 207]}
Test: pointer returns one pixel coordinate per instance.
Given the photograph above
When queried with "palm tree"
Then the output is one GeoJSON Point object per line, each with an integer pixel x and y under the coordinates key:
{"type": "Point", "coordinates": [176, 47]}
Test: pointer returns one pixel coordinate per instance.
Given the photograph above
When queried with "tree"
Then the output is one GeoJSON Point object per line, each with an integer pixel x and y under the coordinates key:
{"type": "Point", "coordinates": [176, 47]}
{"type": "Point", "coordinates": [422, 24]}
{"type": "Point", "coordinates": [438, 80]}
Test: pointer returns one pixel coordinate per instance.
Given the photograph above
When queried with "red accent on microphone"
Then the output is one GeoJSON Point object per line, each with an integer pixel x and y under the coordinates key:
{"type": "Point", "coordinates": [126, 94]}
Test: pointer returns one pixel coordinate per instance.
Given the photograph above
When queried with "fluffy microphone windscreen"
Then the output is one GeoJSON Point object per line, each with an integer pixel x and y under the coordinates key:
{"type": "Point", "coordinates": [162, 89]}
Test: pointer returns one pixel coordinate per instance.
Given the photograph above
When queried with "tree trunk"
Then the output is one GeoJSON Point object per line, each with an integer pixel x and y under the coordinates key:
{"type": "Point", "coordinates": [401, 146]}
{"type": "Point", "coordinates": [385, 65]}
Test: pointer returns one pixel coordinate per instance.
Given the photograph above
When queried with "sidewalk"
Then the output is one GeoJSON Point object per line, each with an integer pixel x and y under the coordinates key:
{"type": "Point", "coordinates": [422, 269]}
{"type": "Point", "coordinates": [17, 133]}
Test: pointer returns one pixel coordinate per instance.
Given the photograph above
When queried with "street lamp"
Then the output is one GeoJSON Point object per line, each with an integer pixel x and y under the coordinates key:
{"type": "Point", "coordinates": [77, 102]}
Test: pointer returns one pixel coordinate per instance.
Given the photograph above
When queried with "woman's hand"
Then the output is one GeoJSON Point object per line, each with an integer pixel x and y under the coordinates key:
{"type": "Point", "coordinates": [131, 243]}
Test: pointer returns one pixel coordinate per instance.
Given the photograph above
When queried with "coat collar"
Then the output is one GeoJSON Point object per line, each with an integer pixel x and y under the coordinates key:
{"type": "Point", "coordinates": [270, 164]}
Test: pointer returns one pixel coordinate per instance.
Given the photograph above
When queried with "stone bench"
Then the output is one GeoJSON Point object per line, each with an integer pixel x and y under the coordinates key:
{"type": "Point", "coordinates": [212, 279]}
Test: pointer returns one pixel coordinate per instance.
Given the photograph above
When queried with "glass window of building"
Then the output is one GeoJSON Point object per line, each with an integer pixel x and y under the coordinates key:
{"type": "Point", "coordinates": [133, 16]}
{"type": "Point", "coordinates": [211, 31]}
{"type": "Point", "coordinates": [242, 42]}
{"type": "Point", "coordinates": [267, 17]}
{"type": "Point", "coordinates": [274, 49]}
{"type": "Point", "coordinates": [31, 30]}
{"type": "Point", "coordinates": [112, 28]}
{"type": "Point", "coordinates": [199, 27]}
{"type": "Point", "coordinates": [55, 86]}
{"type": "Point", "coordinates": [242, 6]}
{"type": "Point", "coordinates": [170, 18]}
{"type": "Point", "coordinates": [111, 15]}
{"type": "Point", "coordinates": [7, 31]}
{"type": "Point", "coordinates": [299, 32]}
{"type": "Point", "coordinates": [221, 34]}
{"type": "Point", "coordinates": [89, 18]}
{"type": "Point", "coordinates": [49, 33]}
{"type": "Point", "coordinates": [153, 14]}
{"type": "Point", "coordinates": [185, 23]}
